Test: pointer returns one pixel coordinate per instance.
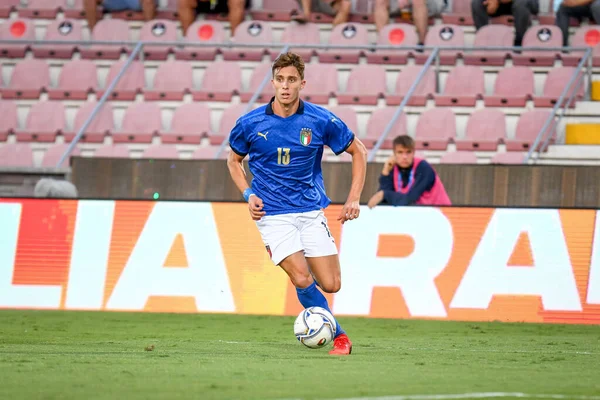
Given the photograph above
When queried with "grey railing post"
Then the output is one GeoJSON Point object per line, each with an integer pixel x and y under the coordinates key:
{"type": "Point", "coordinates": [403, 103]}
{"type": "Point", "coordinates": [105, 96]}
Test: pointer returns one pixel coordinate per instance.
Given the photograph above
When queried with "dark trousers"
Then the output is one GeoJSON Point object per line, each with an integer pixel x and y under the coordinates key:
{"type": "Point", "coordinates": [591, 10]}
{"type": "Point", "coordinates": [521, 10]}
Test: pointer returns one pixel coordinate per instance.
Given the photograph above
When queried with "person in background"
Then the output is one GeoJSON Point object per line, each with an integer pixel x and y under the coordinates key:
{"type": "Point", "coordinates": [406, 180]}
{"type": "Point", "coordinates": [189, 9]}
{"type": "Point", "coordinates": [338, 9]}
{"type": "Point", "coordinates": [578, 9]}
{"type": "Point", "coordinates": [521, 10]}
{"type": "Point", "coordinates": [421, 11]}
{"type": "Point", "coordinates": [147, 7]}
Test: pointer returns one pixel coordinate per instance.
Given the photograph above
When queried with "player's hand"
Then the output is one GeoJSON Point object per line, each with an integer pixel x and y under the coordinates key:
{"type": "Point", "coordinates": [255, 204]}
{"type": "Point", "coordinates": [375, 199]}
{"type": "Point", "coordinates": [389, 165]}
{"type": "Point", "coordinates": [350, 211]}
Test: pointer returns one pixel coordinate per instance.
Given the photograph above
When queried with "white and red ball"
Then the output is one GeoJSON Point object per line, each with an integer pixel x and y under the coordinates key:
{"type": "Point", "coordinates": [315, 327]}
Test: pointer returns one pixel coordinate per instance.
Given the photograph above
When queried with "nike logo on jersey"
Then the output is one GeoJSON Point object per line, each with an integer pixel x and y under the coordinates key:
{"type": "Point", "coordinates": [264, 135]}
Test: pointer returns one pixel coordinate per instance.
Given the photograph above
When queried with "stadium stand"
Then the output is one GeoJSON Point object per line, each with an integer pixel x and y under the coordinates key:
{"type": "Point", "coordinates": [180, 101]}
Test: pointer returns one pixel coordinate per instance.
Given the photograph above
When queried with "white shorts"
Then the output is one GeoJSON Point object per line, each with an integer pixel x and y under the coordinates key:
{"type": "Point", "coordinates": [286, 234]}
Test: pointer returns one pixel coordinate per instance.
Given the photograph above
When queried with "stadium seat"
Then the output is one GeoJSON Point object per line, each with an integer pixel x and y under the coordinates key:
{"type": "Point", "coordinates": [16, 155]}
{"type": "Point", "coordinates": [29, 78]}
{"type": "Point", "coordinates": [508, 158]}
{"type": "Point", "coordinates": [464, 86]}
{"type": "Point", "coordinates": [361, 11]}
{"type": "Point", "coordinates": [584, 36]}
{"type": "Point", "coordinates": [169, 11]}
{"type": "Point", "coordinates": [77, 79]}
{"type": "Point", "coordinates": [258, 75]}
{"type": "Point", "coordinates": [350, 34]}
{"type": "Point", "coordinates": [160, 151]}
{"type": "Point", "coordinates": [9, 122]}
{"type": "Point", "coordinates": [528, 127]}
{"type": "Point", "coordinates": [394, 35]}
{"type": "Point", "coordinates": [190, 123]}
{"type": "Point", "coordinates": [59, 30]}
{"type": "Point", "coordinates": [74, 9]}
{"type": "Point", "coordinates": [514, 86]}
{"type": "Point", "coordinates": [228, 118]}
{"type": "Point", "coordinates": [365, 85]}
{"type": "Point", "coordinates": [208, 153]}
{"type": "Point", "coordinates": [348, 115]}
{"type": "Point", "coordinates": [378, 122]}
{"type": "Point", "coordinates": [221, 80]}
{"type": "Point", "coordinates": [539, 36]}
{"type": "Point", "coordinates": [44, 9]}
{"type": "Point", "coordinates": [112, 151]}
{"type": "Point", "coordinates": [205, 32]}
{"type": "Point", "coordinates": [7, 6]}
{"type": "Point", "coordinates": [440, 36]}
{"type": "Point", "coordinates": [140, 123]}
{"type": "Point", "coordinates": [294, 33]}
{"type": "Point", "coordinates": [172, 81]}
{"type": "Point", "coordinates": [424, 90]}
{"type": "Point", "coordinates": [102, 125]}
{"type": "Point", "coordinates": [490, 36]}
{"type": "Point", "coordinates": [458, 157]}
{"type": "Point", "coordinates": [460, 14]}
{"type": "Point", "coordinates": [46, 119]}
{"type": "Point", "coordinates": [321, 83]}
{"type": "Point", "coordinates": [107, 30]}
{"type": "Point", "coordinates": [158, 30]}
{"type": "Point", "coordinates": [249, 32]}
{"type": "Point", "coordinates": [53, 154]}
{"type": "Point", "coordinates": [131, 83]}
{"type": "Point", "coordinates": [436, 127]}
{"type": "Point", "coordinates": [22, 29]}
{"type": "Point", "coordinates": [275, 10]}
{"type": "Point", "coordinates": [486, 128]}
{"type": "Point", "coordinates": [557, 80]}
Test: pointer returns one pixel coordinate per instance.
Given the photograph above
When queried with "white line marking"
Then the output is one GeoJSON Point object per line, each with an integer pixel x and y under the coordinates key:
{"type": "Point", "coordinates": [484, 395]}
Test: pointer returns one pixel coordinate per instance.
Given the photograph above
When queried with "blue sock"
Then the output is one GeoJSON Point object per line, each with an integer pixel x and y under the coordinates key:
{"type": "Point", "coordinates": [312, 296]}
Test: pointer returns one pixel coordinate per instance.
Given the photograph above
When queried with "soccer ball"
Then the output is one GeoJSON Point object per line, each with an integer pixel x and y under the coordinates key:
{"type": "Point", "coordinates": [315, 327]}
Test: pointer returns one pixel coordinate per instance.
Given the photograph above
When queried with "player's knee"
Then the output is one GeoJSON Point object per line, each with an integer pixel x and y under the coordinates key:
{"type": "Point", "coordinates": [332, 286]}
{"type": "Point", "coordinates": [301, 280]}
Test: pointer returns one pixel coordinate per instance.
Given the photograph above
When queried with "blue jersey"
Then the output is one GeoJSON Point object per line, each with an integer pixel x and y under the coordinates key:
{"type": "Point", "coordinates": [285, 154]}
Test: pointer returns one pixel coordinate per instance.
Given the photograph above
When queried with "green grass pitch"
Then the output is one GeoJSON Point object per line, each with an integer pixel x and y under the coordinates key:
{"type": "Point", "coordinates": [94, 355]}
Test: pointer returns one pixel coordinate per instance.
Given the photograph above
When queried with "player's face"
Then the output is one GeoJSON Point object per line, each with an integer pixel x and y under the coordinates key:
{"type": "Point", "coordinates": [404, 156]}
{"type": "Point", "coordinates": [287, 84]}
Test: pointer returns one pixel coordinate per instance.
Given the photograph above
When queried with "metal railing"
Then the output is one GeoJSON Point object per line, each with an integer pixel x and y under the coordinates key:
{"type": "Point", "coordinates": [549, 129]}
{"type": "Point", "coordinates": [138, 49]}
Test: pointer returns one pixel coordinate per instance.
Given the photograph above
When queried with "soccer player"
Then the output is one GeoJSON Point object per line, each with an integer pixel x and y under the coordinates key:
{"type": "Point", "coordinates": [406, 180]}
{"type": "Point", "coordinates": [284, 141]}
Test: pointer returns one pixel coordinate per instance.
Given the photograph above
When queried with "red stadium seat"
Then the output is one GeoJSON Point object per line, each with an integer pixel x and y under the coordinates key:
{"type": "Point", "coordinates": [528, 127]}
{"type": "Point", "coordinates": [141, 122]}
{"type": "Point", "coordinates": [53, 154]}
{"type": "Point", "coordinates": [29, 78]}
{"type": "Point", "coordinates": [464, 86]}
{"type": "Point", "coordinates": [201, 32]}
{"type": "Point", "coordinates": [46, 119]}
{"type": "Point", "coordinates": [161, 151]}
{"type": "Point", "coordinates": [307, 33]}
{"type": "Point", "coordinates": [584, 36]}
{"type": "Point", "coordinates": [102, 125]}
{"type": "Point", "coordinates": [191, 122]}
{"type": "Point", "coordinates": [366, 84]}
{"type": "Point", "coordinates": [222, 80]}
{"type": "Point", "coordinates": [348, 115]}
{"type": "Point", "coordinates": [394, 35]}
{"type": "Point", "coordinates": [9, 121]}
{"type": "Point", "coordinates": [77, 79]}
{"type": "Point", "coordinates": [16, 155]}
{"type": "Point", "coordinates": [158, 30]}
{"type": "Point", "coordinates": [513, 88]}
{"type": "Point", "coordinates": [131, 83]}
{"type": "Point", "coordinates": [107, 30]}
{"type": "Point", "coordinates": [458, 157]}
{"type": "Point", "coordinates": [378, 122]}
{"type": "Point", "coordinates": [258, 75]}
{"type": "Point", "coordinates": [460, 14]}
{"type": "Point", "coordinates": [508, 158]}
{"type": "Point", "coordinates": [21, 29]}
{"type": "Point", "coordinates": [208, 153]}
{"type": "Point", "coordinates": [539, 36]}
{"type": "Point", "coordinates": [556, 81]}
{"type": "Point", "coordinates": [228, 118]}
{"type": "Point", "coordinates": [321, 83]}
{"type": "Point", "coordinates": [275, 10]}
{"type": "Point", "coordinates": [58, 30]}
{"type": "Point", "coordinates": [44, 9]}
{"type": "Point", "coordinates": [350, 34]}
{"type": "Point", "coordinates": [425, 89]}
{"type": "Point", "coordinates": [491, 36]}
{"type": "Point", "coordinates": [486, 128]}
{"type": "Point", "coordinates": [249, 32]}
{"type": "Point", "coordinates": [172, 81]}
{"type": "Point", "coordinates": [7, 6]}
{"type": "Point", "coordinates": [440, 36]}
{"type": "Point", "coordinates": [436, 127]}
{"type": "Point", "coordinates": [112, 151]}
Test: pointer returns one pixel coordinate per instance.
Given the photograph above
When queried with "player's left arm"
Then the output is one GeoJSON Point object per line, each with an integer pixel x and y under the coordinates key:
{"type": "Point", "coordinates": [351, 209]}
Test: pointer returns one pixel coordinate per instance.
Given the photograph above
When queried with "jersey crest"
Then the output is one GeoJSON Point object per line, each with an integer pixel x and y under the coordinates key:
{"type": "Point", "coordinates": [305, 136]}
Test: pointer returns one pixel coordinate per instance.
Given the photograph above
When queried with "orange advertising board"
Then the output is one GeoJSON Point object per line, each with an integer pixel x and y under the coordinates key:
{"type": "Point", "coordinates": [484, 264]}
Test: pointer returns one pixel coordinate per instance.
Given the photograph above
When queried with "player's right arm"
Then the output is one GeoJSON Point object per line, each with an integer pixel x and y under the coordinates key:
{"type": "Point", "coordinates": [239, 149]}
